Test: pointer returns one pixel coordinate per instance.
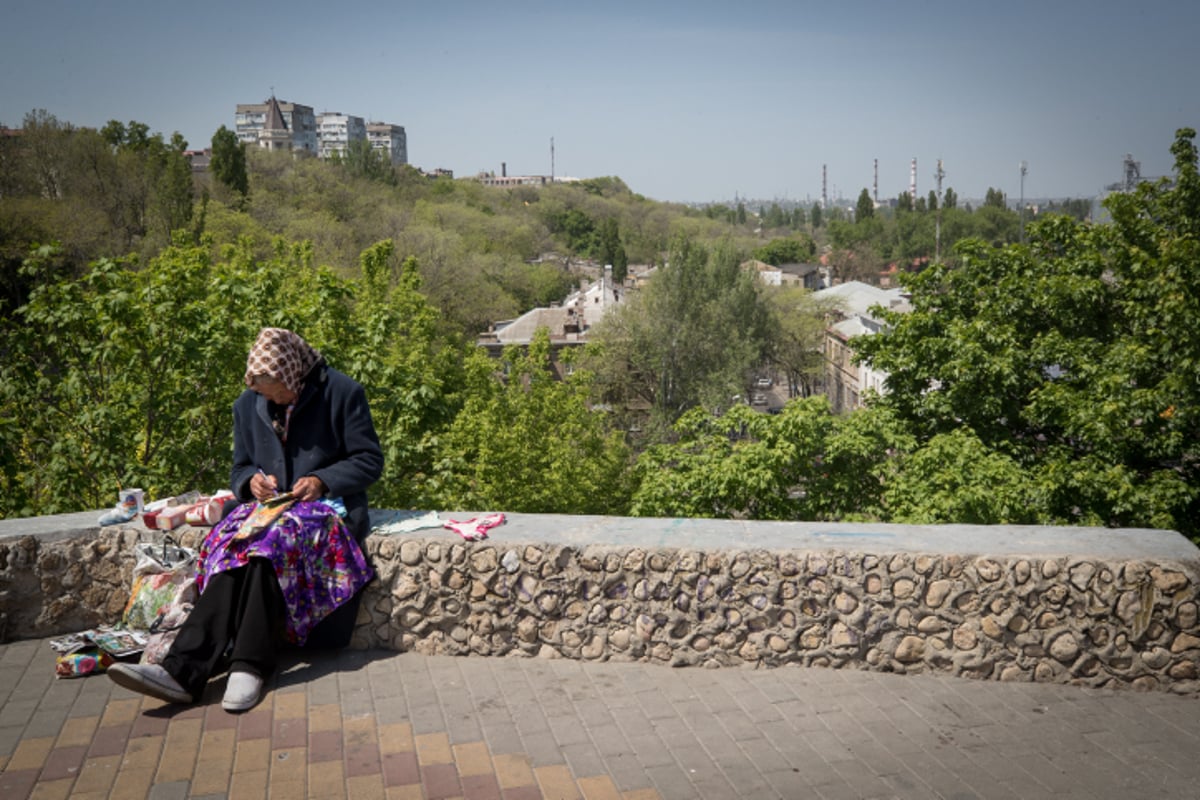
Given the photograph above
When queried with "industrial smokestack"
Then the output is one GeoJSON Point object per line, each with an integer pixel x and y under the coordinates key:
{"type": "Point", "coordinates": [503, 170]}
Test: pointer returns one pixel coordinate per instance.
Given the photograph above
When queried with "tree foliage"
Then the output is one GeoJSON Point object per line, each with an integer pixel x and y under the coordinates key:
{"type": "Point", "coordinates": [228, 163]}
{"type": "Point", "coordinates": [1074, 357]}
{"type": "Point", "coordinates": [530, 443]}
{"type": "Point", "coordinates": [691, 337]}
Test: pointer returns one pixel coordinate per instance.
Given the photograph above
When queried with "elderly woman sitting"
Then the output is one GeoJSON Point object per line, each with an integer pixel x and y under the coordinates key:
{"type": "Point", "coordinates": [303, 440]}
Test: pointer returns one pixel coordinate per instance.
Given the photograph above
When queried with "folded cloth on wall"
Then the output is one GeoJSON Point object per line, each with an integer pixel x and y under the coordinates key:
{"type": "Point", "coordinates": [317, 561]}
{"type": "Point", "coordinates": [476, 528]}
{"type": "Point", "coordinates": [405, 522]}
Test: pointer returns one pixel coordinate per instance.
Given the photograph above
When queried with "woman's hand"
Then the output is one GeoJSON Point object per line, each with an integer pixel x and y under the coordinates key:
{"type": "Point", "coordinates": [263, 486]}
{"type": "Point", "coordinates": [308, 488]}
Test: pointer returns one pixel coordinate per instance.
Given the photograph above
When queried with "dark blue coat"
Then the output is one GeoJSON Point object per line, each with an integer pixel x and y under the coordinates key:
{"type": "Point", "coordinates": [330, 435]}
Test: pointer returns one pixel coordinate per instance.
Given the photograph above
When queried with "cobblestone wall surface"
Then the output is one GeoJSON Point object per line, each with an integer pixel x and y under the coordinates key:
{"type": "Point", "coordinates": [1091, 622]}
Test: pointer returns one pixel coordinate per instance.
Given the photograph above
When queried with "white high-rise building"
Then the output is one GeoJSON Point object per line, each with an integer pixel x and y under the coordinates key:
{"type": "Point", "coordinates": [335, 132]}
{"type": "Point", "coordinates": [390, 139]}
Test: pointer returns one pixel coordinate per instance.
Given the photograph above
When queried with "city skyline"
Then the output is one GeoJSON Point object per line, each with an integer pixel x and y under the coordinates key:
{"type": "Point", "coordinates": [689, 102]}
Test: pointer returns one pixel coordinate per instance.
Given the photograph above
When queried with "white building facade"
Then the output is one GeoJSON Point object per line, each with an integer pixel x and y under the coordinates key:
{"type": "Point", "coordinates": [389, 139]}
{"type": "Point", "coordinates": [336, 132]}
{"type": "Point", "coordinates": [257, 126]}
{"type": "Point", "coordinates": [847, 382]}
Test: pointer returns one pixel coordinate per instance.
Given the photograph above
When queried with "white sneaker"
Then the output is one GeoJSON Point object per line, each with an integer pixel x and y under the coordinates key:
{"type": "Point", "coordinates": [242, 692]}
{"type": "Point", "coordinates": [149, 679]}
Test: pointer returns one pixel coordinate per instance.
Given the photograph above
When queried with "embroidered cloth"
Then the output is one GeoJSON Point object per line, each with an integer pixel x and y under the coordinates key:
{"type": "Point", "coordinates": [317, 561]}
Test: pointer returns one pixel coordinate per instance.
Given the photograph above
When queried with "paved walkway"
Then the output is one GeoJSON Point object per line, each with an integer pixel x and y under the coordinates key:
{"type": "Point", "coordinates": [385, 725]}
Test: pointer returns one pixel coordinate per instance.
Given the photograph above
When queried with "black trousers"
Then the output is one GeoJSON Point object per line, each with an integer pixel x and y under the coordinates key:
{"type": "Point", "coordinates": [238, 620]}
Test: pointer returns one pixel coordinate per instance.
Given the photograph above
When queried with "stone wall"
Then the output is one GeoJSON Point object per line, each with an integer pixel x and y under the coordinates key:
{"type": "Point", "coordinates": [888, 598]}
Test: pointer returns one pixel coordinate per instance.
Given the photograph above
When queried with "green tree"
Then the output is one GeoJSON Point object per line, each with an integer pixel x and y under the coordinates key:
{"type": "Point", "coordinates": [791, 250]}
{"type": "Point", "coordinates": [995, 199]}
{"type": "Point", "coordinates": [950, 199]}
{"type": "Point", "coordinates": [805, 463]}
{"type": "Point", "coordinates": [816, 215]}
{"type": "Point", "coordinates": [228, 163]}
{"type": "Point", "coordinates": [690, 337]}
{"type": "Point", "coordinates": [865, 209]}
{"type": "Point", "coordinates": [530, 443]}
{"type": "Point", "coordinates": [798, 335]}
{"type": "Point", "coordinates": [1057, 355]}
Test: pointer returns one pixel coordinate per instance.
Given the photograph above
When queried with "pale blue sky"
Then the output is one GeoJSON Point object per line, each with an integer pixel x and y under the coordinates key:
{"type": "Point", "coordinates": [686, 101]}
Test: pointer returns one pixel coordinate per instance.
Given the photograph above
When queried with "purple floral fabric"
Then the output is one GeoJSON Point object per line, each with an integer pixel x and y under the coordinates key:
{"type": "Point", "coordinates": [317, 561]}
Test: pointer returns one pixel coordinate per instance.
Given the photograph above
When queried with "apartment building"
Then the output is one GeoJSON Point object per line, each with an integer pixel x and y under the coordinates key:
{"type": "Point", "coordinates": [845, 381]}
{"type": "Point", "coordinates": [389, 139]}
{"type": "Point", "coordinates": [336, 131]}
{"type": "Point", "coordinates": [277, 125]}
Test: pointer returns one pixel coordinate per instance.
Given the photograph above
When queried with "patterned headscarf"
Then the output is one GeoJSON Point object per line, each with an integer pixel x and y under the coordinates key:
{"type": "Point", "coordinates": [283, 355]}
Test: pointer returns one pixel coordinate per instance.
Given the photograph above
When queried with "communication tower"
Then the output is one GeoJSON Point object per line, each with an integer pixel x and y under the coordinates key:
{"type": "Point", "coordinates": [912, 181]}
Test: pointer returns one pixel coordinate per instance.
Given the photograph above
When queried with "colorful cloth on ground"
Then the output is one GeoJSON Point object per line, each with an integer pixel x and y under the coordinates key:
{"type": "Point", "coordinates": [283, 355]}
{"type": "Point", "coordinates": [317, 561]}
{"type": "Point", "coordinates": [475, 529]}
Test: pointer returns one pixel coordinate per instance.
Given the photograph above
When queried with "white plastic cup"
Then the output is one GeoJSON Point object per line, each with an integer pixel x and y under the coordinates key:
{"type": "Point", "coordinates": [131, 500]}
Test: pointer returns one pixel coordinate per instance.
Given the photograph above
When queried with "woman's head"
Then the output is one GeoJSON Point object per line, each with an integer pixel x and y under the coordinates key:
{"type": "Point", "coordinates": [277, 364]}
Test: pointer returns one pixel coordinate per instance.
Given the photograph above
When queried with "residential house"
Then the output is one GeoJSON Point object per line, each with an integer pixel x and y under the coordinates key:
{"type": "Point", "coordinates": [276, 125]}
{"type": "Point", "coordinates": [568, 323]}
{"type": "Point", "coordinates": [845, 381]}
{"type": "Point", "coordinates": [810, 276]}
{"type": "Point", "coordinates": [768, 274]}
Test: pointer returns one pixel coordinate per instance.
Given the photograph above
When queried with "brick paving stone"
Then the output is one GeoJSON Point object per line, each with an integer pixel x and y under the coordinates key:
{"type": "Point", "coordinates": [440, 781]}
{"type": "Point", "coordinates": [148, 725]}
{"type": "Point", "coordinates": [583, 759]}
{"type": "Point", "coordinates": [46, 722]}
{"type": "Point", "coordinates": [252, 755]}
{"type": "Point", "coordinates": [599, 787]}
{"type": "Point", "coordinates": [110, 740]}
{"type": "Point", "coordinates": [255, 724]}
{"type": "Point", "coordinates": [9, 739]}
{"type": "Point", "coordinates": [59, 789]}
{"type": "Point", "coordinates": [556, 781]}
{"type": "Point", "coordinates": [650, 750]}
{"type": "Point", "coordinates": [787, 783]}
{"type": "Point", "coordinates": [626, 771]}
{"type": "Point", "coordinates": [249, 785]}
{"type": "Point", "coordinates": [217, 744]}
{"type": "Point", "coordinates": [400, 768]}
{"type": "Point", "coordinates": [522, 793]}
{"type": "Point", "coordinates": [672, 782]}
{"type": "Point", "coordinates": [142, 753]}
{"type": "Point", "coordinates": [173, 790]}
{"type": "Point", "coordinates": [212, 777]}
{"type": "Point", "coordinates": [18, 782]}
{"type": "Point", "coordinates": [513, 770]}
{"type": "Point", "coordinates": [289, 733]}
{"type": "Point", "coordinates": [325, 746]}
{"type": "Point", "coordinates": [473, 758]}
{"type": "Point", "coordinates": [362, 758]}
{"type": "Point", "coordinates": [30, 753]}
{"type": "Point", "coordinates": [326, 780]}
{"type": "Point", "coordinates": [504, 735]}
{"type": "Point", "coordinates": [479, 787]}
{"type": "Point", "coordinates": [434, 748]}
{"type": "Point", "coordinates": [63, 762]}
{"type": "Point", "coordinates": [608, 738]}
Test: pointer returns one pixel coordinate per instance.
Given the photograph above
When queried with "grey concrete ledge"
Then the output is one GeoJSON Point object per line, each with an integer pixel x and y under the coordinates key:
{"type": "Point", "coordinates": [1087, 606]}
